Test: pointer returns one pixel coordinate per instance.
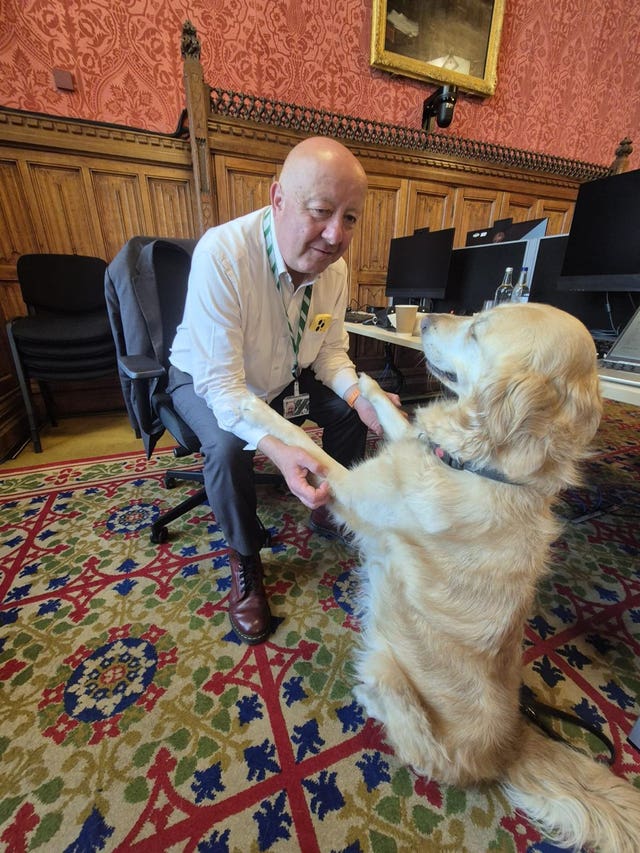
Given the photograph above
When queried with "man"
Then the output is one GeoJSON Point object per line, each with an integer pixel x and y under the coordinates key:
{"type": "Point", "coordinates": [264, 315]}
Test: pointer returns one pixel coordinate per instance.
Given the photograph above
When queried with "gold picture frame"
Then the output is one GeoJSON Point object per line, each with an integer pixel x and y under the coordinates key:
{"type": "Point", "coordinates": [440, 41]}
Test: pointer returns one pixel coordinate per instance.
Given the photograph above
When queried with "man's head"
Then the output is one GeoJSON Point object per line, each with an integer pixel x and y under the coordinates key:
{"type": "Point", "coordinates": [316, 205]}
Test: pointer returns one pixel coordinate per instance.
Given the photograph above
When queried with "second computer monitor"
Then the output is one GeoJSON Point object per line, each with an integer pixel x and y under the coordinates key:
{"type": "Point", "coordinates": [419, 265]}
{"type": "Point", "coordinates": [475, 273]}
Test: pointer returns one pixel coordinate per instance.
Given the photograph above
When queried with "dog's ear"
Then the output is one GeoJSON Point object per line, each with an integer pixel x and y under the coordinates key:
{"type": "Point", "coordinates": [538, 423]}
{"type": "Point", "coordinates": [514, 403]}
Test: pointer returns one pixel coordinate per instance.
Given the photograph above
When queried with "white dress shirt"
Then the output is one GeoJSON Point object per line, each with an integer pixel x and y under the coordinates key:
{"type": "Point", "coordinates": [234, 338]}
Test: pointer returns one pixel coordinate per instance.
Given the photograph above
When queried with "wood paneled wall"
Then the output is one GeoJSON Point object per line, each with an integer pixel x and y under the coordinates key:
{"type": "Point", "coordinates": [72, 186]}
{"type": "Point", "coordinates": [81, 188]}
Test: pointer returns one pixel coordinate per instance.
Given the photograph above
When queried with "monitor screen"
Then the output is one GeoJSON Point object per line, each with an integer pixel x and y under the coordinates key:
{"type": "Point", "coordinates": [489, 234]}
{"type": "Point", "coordinates": [526, 230]}
{"type": "Point", "coordinates": [419, 265]}
{"type": "Point", "coordinates": [603, 251]}
{"type": "Point", "coordinates": [476, 272]}
{"type": "Point", "coordinates": [602, 313]}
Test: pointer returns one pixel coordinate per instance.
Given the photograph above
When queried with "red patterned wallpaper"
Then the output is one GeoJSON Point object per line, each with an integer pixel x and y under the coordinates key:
{"type": "Point", "coordinates": [568, 72]}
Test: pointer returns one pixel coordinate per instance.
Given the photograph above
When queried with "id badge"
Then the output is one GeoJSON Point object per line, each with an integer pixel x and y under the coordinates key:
{"type": "Point", "coordinates": [297, 405]}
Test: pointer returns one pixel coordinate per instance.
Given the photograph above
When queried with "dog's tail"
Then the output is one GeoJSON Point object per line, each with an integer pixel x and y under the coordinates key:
{"type": "Point", "coordinates": [572, 798]}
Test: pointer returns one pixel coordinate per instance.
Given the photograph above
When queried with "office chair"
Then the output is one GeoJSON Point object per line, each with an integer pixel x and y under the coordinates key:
{"type": "Point", "coordinates": [145, 288]}
{"type": "Point", "coordinates": [66, 334]}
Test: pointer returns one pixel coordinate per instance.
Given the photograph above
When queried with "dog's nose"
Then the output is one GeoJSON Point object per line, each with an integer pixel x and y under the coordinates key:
{"type": "Point", "coordinates": [425, 323]}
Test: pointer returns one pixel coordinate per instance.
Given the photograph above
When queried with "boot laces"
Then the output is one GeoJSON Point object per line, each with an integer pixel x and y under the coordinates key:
{"type": "Point", "coordinates": [248, 572]}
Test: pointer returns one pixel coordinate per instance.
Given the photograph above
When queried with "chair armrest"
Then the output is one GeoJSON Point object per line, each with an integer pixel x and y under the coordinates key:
{"type": "Point", "coordinates": [140, 367]}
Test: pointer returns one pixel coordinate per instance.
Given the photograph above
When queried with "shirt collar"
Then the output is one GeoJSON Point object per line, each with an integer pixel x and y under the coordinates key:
{"type": "Point", "coordinates": [282, 272]}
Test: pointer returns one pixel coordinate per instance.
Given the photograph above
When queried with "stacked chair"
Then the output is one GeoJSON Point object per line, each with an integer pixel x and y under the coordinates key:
{"type": "Point", "coordinates": [66, 334]}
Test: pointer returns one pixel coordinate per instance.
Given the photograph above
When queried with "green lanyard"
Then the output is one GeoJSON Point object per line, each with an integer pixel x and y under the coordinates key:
{"type": "Point", "coordinates": [306, 297]}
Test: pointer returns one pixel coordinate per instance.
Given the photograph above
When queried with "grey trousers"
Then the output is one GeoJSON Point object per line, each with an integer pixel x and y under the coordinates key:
{"type": "Point", "coordinates": [228, 468]}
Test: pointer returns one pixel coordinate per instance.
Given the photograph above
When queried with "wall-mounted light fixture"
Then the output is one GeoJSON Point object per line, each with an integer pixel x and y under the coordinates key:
{"type": "Point", "coordinates": [440, 106]}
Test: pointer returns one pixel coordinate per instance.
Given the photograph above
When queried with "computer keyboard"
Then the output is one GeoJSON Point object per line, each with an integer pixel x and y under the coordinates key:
{"type": "Point", "coordinates": [359, 317]}
{"type": "Point", "coordinates": [617, 365]}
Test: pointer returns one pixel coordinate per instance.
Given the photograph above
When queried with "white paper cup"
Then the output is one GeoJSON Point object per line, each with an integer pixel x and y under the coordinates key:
{"type": "Point", "coordinates": [406, 318]}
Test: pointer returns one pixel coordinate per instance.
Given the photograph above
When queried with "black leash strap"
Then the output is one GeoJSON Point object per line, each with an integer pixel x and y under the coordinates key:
{"type": "Point", "coordinates": [532, 709]}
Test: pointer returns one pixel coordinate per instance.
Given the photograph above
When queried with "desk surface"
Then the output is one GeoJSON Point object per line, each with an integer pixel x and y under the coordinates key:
{"type": "Point", "coordinates": [624, 392]}
{"type": "Point", "coordinates": [385, 335]}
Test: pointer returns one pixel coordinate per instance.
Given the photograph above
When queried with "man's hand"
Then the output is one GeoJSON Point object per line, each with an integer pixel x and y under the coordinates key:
{"type": "Point", "coordinates": [367, 413]}
{"type": "Point", "coordinates": [300, 469]}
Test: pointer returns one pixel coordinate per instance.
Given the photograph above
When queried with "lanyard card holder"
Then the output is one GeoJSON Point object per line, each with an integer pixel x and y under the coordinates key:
{"type": "Point", "coordinates": [297, 405]}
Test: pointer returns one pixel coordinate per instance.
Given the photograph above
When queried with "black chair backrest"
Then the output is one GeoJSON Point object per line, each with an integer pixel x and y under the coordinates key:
{"type": "Point", "coordinates": [171, 264]}
{"type": "Point", "coordinates": [64, 284]}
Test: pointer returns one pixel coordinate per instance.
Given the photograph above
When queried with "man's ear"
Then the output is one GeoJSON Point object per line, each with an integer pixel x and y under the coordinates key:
{"type": "Point", "coordinates": [276, 196]}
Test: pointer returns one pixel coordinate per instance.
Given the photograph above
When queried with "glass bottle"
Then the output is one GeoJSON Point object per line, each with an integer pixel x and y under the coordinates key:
{"type": "Point", "coordinates": [521, 290]}
{"type": "Point", "coordinates": [505, 289]}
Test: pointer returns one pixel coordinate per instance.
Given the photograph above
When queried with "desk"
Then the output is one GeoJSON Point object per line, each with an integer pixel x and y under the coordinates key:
{"type": "Point", "coordinates": [623, 391]}
{"type": "Point", "coordinates": [384, 335]}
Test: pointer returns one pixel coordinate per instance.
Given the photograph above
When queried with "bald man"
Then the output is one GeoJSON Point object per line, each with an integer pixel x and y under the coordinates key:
{"type": "Point", "coordinates": [264, 316]}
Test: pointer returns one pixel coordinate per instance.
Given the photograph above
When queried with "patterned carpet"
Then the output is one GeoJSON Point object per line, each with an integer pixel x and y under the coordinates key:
{"type": "Point", "coordinates": [131, 719]}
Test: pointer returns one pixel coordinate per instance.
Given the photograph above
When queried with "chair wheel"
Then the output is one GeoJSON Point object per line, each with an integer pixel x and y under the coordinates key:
{"type": "Point", "coordinates": [159, 536]}
{"type": "Point", "coordinates": [169, 482]}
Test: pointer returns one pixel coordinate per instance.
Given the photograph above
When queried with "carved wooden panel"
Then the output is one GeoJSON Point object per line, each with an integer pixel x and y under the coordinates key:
{"type": "Point", "coordinates": [559, 213]}
{"type": "Point", "coordinates": [518, 206]}
{"type": "Point", "coordinates": [430, 205]}
{"type": "Point", "coordinates": [17, 232]}
{"type": "Point", "coordinates": [68, 219]}
{"type": "Point", "coordinates": [383, 217]}
{"type": "Point", "coordinates": [130, 203]}
{"type": "Point", "coordinates": [119, 204]}
{"type": "Point", "coordinates": [171, 210]}
{"type": "Point", "coordinates": [242, 185]}
{"type": "Point", "coordinates": [474, 208]}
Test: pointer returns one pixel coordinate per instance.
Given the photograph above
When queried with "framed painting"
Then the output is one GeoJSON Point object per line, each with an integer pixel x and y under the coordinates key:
{"type": "Point", "coordinates": [440, 41]}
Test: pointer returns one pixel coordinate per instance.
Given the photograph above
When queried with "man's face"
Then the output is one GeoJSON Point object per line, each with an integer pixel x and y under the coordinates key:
{"type": "Point", "coordinates": [315, 217]}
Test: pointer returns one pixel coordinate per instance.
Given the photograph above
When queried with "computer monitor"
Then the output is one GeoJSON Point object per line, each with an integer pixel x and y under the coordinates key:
{"type": "Point", "coordinates": [475, 273]}
{"type": "Point", "coordinates": [603, 251]}
{"type": "Point", "coordinates": [526, 230]}
{"type": "Point", "coordinates": [602, 313]}
{"type": "Point", "coordinates": [488, 234]}
{"type": "Point", "coordinates": [419, 265]}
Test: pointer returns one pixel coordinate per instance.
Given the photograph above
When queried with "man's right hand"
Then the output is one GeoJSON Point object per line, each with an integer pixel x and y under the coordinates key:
{"type": "Point", "coordinates": [300, 469]}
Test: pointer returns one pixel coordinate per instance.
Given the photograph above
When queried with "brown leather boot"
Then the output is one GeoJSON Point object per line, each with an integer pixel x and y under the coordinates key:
{"type": "Point", "coordinates": [248, 606]}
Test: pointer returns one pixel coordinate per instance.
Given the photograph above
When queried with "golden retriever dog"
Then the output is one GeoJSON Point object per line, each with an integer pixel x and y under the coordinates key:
{"type": "Point", "coordinates": [453, 519]}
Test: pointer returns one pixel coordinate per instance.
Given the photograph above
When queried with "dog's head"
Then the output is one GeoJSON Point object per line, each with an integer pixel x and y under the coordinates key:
{"type": "Point", "coordinates": [527, 386]}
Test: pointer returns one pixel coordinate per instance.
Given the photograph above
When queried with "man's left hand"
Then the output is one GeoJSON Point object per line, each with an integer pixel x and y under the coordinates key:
{"type": "Point", "coordinates": [367, 413]}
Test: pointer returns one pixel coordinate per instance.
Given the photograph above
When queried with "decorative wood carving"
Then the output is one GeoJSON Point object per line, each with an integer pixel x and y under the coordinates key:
{"type": "Point", "coordinates": [197, 94]}
{"type": "Point", "coordinates": [312, 122]}
{"type": "Point", "coordinates": [621, 162]}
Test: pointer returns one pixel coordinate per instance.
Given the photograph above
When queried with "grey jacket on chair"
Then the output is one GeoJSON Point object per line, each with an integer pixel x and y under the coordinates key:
{"type": "Point", "coordinates": [133, 305]}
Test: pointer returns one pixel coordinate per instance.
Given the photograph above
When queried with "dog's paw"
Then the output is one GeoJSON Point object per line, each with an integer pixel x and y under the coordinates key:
{"type": "Point", "coordinates": [367, 385]}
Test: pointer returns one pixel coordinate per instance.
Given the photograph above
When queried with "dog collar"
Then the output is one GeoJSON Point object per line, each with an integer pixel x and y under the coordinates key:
{"type": "Point", "coordinates": [444, 456]}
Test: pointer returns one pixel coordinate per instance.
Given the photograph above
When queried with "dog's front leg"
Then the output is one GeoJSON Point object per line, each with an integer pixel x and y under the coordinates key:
{"type": "Point", "coordinates": [392, 421]}
{"type": "Point", "coordinates": [260, 414]}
